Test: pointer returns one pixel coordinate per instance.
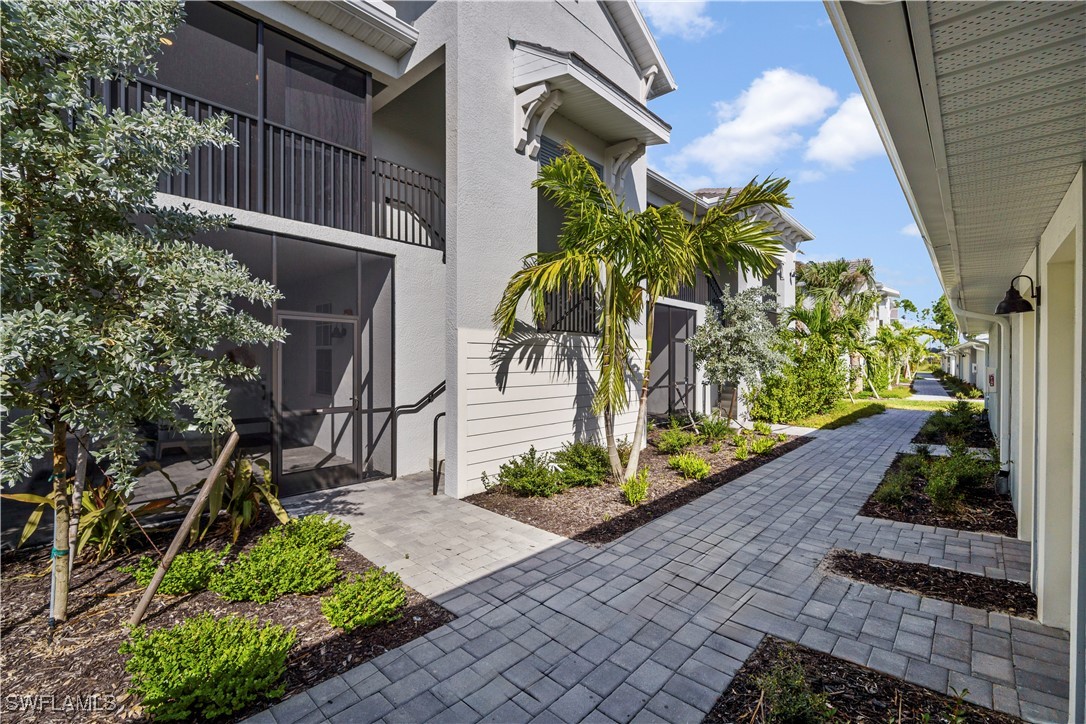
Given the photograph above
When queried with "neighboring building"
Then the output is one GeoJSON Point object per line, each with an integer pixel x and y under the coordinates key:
{"type": "Point", "coordinates": [676, 385]}
{"type": "Point", "coordinates": [982, 110]}
{"type": "Point", "coordinates": [884, 310]}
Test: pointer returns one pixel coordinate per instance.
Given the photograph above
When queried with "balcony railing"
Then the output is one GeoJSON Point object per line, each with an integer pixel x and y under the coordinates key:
{"type": "Point", "coordinates": [570, 312]}
{"type": "Point", "coordinates": [296, 176]}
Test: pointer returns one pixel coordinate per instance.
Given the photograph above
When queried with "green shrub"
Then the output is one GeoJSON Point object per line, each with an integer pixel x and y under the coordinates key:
{"type": "Point", "coordinates": [762, 428]}
{"type": "Point", "coordinates": [582, 463]}
{"type": "Point", "coordinates": [190, 571]}
{"type": "Point", "coordinates": [530, 475]}
{"type": "Point", "coordinates": [206, 667]}
{"type": "Point", "coordinates": [716, 447]}
{"type": "Point", "coordinates": [674, 440]}
{"type": "Point", "coordinates": [636, 489]}
{"type": "Point", "coordinates": [625, 447]}
{"type": "Point", "coordinates": [742, 452]}
{"type": "Point", "coordinates": [373, 598]}
{"type": "Point", "coordinates": [788, 697]}
{"type": "Point", "coordinates": [293, 558]}
{"type": "Point", "coordinates": [691, 465]}
{"type": "Point", "coordinates": [759, 445]}
{"type": "Point", "coordinates": [809, 385]}
{"type": "Point", "coordinates": [968, 471]}
{"type": "Point", "coordinates": [942, 488]}
{"type": "Point", "coordinates": [714, 427]}
{"type": "Point", "coordinates": [893, 489]}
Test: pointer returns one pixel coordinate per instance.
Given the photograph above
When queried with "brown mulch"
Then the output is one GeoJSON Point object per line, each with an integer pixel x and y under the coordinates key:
{"type": "Point", "coordinates": [982, 510]}
{"type": "Point", "coordinates": [83, 660]}
{"type": "Point", "coordinates": [858, 694]}
{"type": "Point", "coordinates": [967, 589]}
{"type": "Point", "coordinates": [979, 435]}
{"type": "Point", "coordinates": [600, 515]}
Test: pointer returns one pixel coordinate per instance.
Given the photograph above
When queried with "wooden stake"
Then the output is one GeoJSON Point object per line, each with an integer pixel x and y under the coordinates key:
{"type": "Point", "coordinates": [183, 531]}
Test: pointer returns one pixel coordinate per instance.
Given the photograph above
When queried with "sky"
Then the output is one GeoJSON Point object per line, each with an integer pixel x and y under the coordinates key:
{"type": "Point", "coordinates": [765, 89]}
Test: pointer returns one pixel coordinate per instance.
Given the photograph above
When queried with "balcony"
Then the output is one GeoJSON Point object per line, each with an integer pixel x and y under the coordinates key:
{"type": "Point", "coordinates": [275, 170]}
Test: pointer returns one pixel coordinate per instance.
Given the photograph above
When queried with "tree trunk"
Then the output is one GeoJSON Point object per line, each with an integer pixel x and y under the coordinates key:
{"type": "Point", "coordinates": [82, 452]}
{"type": "Point", "coordinates": [612, 447]}
{"type": "Point", "coordinates": [643, 398]}
{"type": "Point", "coordinates": [59, 603]}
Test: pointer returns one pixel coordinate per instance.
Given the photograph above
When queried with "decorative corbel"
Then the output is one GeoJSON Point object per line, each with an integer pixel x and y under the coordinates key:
{"type": "Point", "coordinates": [646, 81]}
{"type": "Point", "coordinates": [534, 106]}
{"type": "Point", "coordinates": [619, 158]}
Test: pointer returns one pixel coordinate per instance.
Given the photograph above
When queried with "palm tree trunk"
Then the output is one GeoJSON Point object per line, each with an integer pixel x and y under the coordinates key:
{"type": "Point", "coordinates": [643, 398]}
{"type": "Point", "coordinates": [612, 446]}
{"type": "Point", "coordinates": [62, 515]}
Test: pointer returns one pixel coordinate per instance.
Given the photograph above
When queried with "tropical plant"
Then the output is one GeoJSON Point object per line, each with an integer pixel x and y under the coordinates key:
{"type": "Point", "coordinates": [691, 465]}
{"type": "Point", "coordinates": [629, 260]}
{"type": "Point", "coordinates": [945, 323]}
{"type": "Point", "coordinates": [239, 491]}
{"type": "Point", "coordinates": [676, 440]}
{"type": "Point", "coordinates": [532, 475]}
{"type": "Point", "coordinates": [714, 427]}
{"type": "Point", "coordinates": [635, 489]}
{"type": "Point", "coordinates": [109, 306]}
{"type": "Point", "coordinates": [812, 382]}
{"type": "Point", "coordinates": [582, 464]}
{"type": "Point", "coordinates": [738, 343]}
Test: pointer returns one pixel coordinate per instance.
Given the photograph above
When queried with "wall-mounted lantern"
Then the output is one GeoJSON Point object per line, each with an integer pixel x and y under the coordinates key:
{"type": "Point", "coordinates": [1015, 303]}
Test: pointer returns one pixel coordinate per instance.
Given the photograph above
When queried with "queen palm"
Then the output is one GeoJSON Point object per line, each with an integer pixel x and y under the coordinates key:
{"type": "Point", "coordinates": [630, 259]}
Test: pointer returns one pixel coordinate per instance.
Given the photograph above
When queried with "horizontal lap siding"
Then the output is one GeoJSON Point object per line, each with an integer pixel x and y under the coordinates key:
{"type": "Point", "coordinates": [540, 396]}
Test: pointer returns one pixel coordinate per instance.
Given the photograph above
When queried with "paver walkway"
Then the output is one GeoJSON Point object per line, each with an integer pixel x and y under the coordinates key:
{"type": "Point", "coordinates": [926, 387]}
{"type": "Point", "coordinates": [653, 626]}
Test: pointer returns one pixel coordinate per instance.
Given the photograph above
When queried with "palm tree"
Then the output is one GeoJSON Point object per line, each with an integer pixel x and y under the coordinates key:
{"type": "Point", "coordinates": [629, 260]}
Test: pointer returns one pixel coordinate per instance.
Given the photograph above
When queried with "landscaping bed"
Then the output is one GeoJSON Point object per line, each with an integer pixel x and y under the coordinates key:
{"type": "Point", "coordinates": [803, 685]}
{"type": "Point", "coordinates": [961, 421]}
{"type": "Point", "coordinates": [979, 509]}
{"type": "Point", "coordinates": [598, 514]}
{"type": "Point", "coordinates": [966, 589]}
{"type": "Point", "coordinates": [84, 661]}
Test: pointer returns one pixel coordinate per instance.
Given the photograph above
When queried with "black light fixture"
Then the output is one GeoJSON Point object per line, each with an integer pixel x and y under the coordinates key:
{"type": "Point", "coordinates": [1015, 303]}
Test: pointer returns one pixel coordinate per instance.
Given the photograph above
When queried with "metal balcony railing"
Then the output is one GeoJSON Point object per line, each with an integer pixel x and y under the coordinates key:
{"type": "Point", "coordinates": [275, 170]}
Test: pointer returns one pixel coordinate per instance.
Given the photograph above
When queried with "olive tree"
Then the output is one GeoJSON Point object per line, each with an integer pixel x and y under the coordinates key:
{"type": "Point", "coordinates": [738, 344]}
{"type": "Point", "coordinates": [111, 310]}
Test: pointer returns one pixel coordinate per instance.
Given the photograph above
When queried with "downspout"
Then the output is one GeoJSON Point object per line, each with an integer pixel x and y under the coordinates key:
{"type": "Point", "coordinates": [1004, 374]}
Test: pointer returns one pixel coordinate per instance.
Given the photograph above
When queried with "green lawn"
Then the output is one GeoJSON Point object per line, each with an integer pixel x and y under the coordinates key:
{"type": "Point", "coordinates": [894, 393]}
{"type": "Point", "coordinates": [846, 413]}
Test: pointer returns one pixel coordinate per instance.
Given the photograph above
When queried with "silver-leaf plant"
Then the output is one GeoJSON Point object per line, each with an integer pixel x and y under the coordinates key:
{"type": "Point", "coordinates": [738, 343]}
{"type": "Point", "coordinates": [111, 309]}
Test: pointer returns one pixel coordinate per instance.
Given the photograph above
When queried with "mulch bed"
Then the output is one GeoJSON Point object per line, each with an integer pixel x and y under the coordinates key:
{"type": "Point", "coordinates": [858, 694]}
{"type": "Point", "coordinates": [967, 589]}
{"type": "Point", "coordinates": [979, 435]}
{"type": "Point", "coordinates": [600, 515]}
{"type": "Point", "coordinates": [982, 510]}
{"type": "Point", "coordinates": [83, 660]}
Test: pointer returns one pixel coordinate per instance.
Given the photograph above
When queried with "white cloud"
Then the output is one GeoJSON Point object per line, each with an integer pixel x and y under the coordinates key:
{"type": "Point", "coordinates": [911, 230]}
{"type": "Point", "coordinates": [757, 128]}
{"type": "Point", "coordinates": [846, 137]}
{"type": "Point", "coordinates": [684, 18]}
{"type": "Point", "coordinates": [809, 175]}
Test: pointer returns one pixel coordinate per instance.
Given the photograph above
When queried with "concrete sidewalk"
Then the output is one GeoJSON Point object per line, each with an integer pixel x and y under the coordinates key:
{"type": "Point", "coordinates": [653, 626]}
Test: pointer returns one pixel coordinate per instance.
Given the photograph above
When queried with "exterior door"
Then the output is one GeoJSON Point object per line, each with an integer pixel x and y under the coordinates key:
{"type": "Point", "coordinates": [317, 440]}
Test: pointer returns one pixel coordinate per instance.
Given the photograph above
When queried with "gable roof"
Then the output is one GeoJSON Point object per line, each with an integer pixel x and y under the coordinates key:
{"type": "Point", "coordinates": [635, 34]}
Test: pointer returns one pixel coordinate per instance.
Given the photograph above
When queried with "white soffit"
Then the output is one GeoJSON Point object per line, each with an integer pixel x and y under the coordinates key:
{"type": "Point", "coordinates": [373, 23]}
{"type": "Point", "coordinates": [984, 103]}
{"type": "Point", "coordinates": [635, 32]}
{"type": "Point", "coordinates": [589, 99]}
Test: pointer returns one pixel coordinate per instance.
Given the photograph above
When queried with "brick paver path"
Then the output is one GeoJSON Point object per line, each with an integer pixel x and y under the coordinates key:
{"type": "Point", "coordinates": [926, 387]}
{"type": "Point", "coordinates": [654, 626]}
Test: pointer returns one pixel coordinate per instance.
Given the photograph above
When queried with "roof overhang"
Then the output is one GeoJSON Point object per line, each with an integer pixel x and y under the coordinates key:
{"type": "Point", "coordinates": [588, 98]}
{"type": "Point", "coordinates": [638, 39]}
{"type": "Point", "coordinates": [672, 193]}
{"type": "Point", "coordinates": [371, 21]}
{"type": "Point", "coordinates": [982, 109]}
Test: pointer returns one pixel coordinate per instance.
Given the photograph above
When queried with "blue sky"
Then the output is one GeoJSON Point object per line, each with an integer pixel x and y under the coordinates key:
{"type": "Point", "coordinates": [764, 88]}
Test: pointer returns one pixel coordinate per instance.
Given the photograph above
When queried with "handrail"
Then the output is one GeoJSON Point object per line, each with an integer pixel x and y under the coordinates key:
{"type": "Point", "coordinates": [410, 410]}
{"type": "Point", "coordinates": [437, 465]}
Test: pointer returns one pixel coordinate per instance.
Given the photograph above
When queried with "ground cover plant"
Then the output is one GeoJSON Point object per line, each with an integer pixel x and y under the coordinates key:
{"type": "Point", "coordinates": [373, 598]}
{"type": "Point", "coordinates": [955, 491]}
{"type": "Point", "coordinates": [959, 421]}
{"type": "Point", "coordinates": [785, 682]}
{"type": "Point", "coordinates": [190, 572]}
{"type": "Point", "coordinates": [602, 513]}
{"type": "Point", "coordinates": [86, 659]}
{"type": "Point", "coordinates": [967, 589]}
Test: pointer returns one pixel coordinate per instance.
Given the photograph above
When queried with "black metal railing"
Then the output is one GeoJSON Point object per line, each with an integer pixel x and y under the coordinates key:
{"type": "Point", "coordinates": [294, 175]}
{"type": "Point", "coordinates": [409, 206]}
{"type": "Point", "coordinates": [571, 311]}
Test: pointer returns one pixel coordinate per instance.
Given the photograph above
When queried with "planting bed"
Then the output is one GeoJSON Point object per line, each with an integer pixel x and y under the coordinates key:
{"type": "Point", "coordinates": [967, 589]}
{"type": "Point", "coordinates": [982, 510]}
{"type": "Point", "coordinates": [598, 515]}
{"type": "Point", "coordinates": [856, 693]}
{"type": "Point", "coordinates": [83, 660]}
